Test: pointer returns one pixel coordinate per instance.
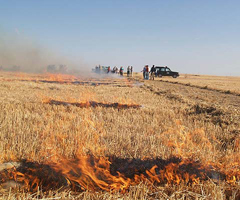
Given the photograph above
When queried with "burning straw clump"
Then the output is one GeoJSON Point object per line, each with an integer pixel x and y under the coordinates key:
{"type": "Point", "coordinates": [93, 104]}
{"type": "Point", "coordinates": [112, 173]}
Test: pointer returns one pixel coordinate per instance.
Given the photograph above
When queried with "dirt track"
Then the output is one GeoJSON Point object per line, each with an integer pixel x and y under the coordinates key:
{"type": "Point", "coordinates": [218, 108]}
{"type": "Point", "coordinates": [194, 94]}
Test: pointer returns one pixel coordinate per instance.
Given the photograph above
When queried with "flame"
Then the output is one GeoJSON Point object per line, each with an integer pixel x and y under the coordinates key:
{"type": "Point", "coordinates": [94, 172]}
{"type": "Point", "coordinates": [97, 173]}
{"type": "Point", "coordinates": [87, 104]}
{"type": "Point", "coordinates": [60, 78]}
{"type": "Point", "coordinates": [65, 79]}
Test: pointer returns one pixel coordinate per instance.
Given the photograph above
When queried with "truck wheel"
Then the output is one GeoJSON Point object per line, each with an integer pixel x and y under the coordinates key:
{"type": "Point", "coordinates": [160, 75]}
{"type": "Point", "coordinates": [174, 76]}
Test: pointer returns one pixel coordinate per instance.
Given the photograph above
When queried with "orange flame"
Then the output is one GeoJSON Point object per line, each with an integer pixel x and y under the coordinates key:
{"type": "Point", "coordinates": [109, 174]}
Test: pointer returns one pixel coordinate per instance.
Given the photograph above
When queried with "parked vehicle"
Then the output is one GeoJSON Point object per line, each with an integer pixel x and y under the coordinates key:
{"type": "Point", "coordinates": [165, 71]}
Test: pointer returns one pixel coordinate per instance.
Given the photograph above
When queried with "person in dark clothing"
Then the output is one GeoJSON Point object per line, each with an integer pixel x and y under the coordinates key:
{"type": "Point", "coordinates": [121, 71]}
{"type": "Point", "coordinates": [152, 72]}
{"type": "Point", "coordinates": [128, 71]}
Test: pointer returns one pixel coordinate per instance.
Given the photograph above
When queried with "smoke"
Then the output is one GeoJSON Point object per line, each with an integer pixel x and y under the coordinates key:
{"type": "Point", "coordinates": [18, 53]}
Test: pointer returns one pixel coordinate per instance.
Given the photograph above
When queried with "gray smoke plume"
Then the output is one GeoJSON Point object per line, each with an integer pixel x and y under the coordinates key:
{"type": "Point", "coordinates": [17, 53]}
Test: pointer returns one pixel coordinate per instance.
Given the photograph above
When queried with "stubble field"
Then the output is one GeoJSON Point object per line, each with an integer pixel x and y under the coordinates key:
{"type": "Point", "coordinates": [66, 137]}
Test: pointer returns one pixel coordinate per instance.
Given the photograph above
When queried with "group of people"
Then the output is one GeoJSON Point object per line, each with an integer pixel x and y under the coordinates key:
{"type": "Point", "coordinates": [130, 71]}
{"type": "Point", "coordinates": [147, 72]}
{"type": "Point", "coordinates": [120, 71]}
{"type": "Point", "coordinates": [115, 70]}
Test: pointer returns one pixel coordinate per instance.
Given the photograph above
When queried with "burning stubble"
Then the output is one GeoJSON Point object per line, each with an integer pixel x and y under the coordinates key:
{"type": "Point", "coordinates": [111, 173]}
{"type": "Point", "coordinates": [167, 145]}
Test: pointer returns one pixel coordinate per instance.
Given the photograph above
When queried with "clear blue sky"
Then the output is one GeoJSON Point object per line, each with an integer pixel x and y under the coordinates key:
{"type": "Point", "coordinates": [189, 36]}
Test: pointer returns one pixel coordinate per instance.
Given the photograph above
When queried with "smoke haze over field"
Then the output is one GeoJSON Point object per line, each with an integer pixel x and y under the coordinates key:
{"type": "Point", "coordinates": [19, 53]}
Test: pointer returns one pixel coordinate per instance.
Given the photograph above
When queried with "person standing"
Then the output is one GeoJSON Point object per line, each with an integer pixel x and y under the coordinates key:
{"type": "Point", "coordinates": [128, 71]}
{"type": "Point", "coordinates": [114, 69]}
{"type": "Point", "coordinates": [152, 72]}
{"type": "Point", "coordinates": [121, 71]}
{"type": "Point", "coordinates": [131, 71]}
{"type": "Point", "coordinates": [143, 71]}
{"type": "Point", "coordinates": [147, 73]}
